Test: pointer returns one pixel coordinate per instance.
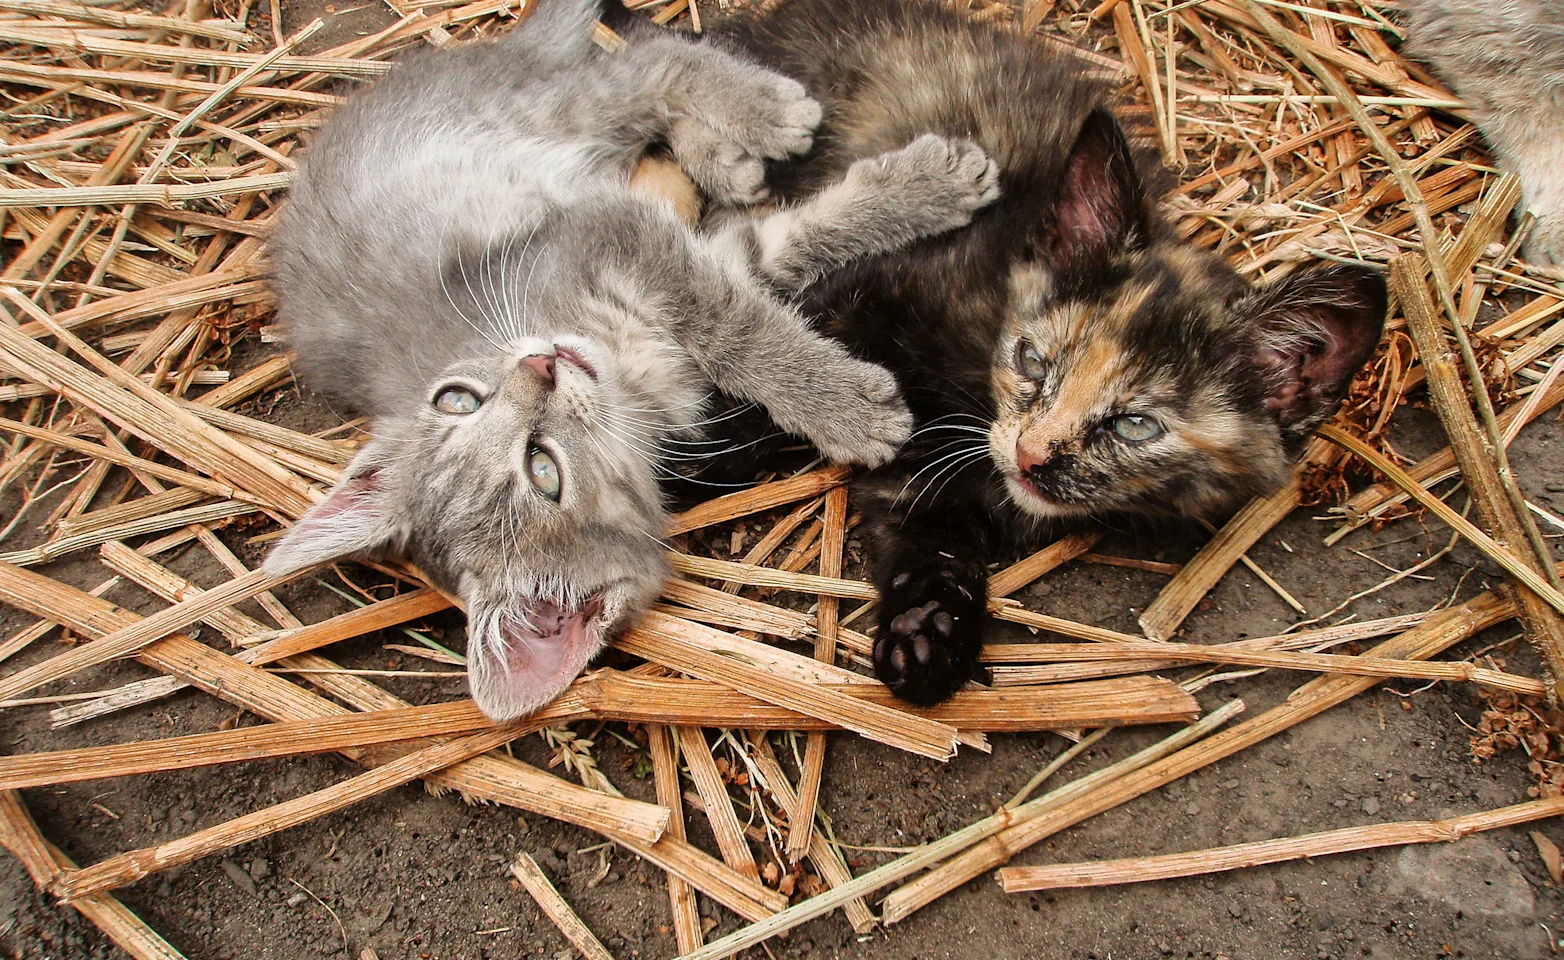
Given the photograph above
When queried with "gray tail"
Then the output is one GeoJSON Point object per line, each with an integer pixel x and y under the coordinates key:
{"type": "Point", "coordinates": [557, 29]}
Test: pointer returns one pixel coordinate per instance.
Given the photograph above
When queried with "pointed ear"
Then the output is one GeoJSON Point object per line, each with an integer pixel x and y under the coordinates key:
{"type": "Point", "coordinates": [1102, 203]}
{"type": "Point", "coordinates": [355, 519]}
{"type": "Point", "coordinates": [1315, 330]}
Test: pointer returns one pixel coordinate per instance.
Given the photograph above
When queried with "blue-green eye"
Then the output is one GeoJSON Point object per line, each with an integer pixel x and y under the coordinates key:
{"type": "Point", "coordinates": [457, 401]}
{"type": "Point", "coordinates": [1030, 361]}
{"type": "Point", "coordinates": [543, 472]}
{"type": "Point", "coordinates": [1136, 428]}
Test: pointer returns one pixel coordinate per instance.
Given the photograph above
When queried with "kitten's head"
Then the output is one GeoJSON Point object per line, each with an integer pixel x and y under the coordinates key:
{"type": "Point", "coordinates": [1140, 375]}
{"type": "Point", "coordinates": [509, 485]}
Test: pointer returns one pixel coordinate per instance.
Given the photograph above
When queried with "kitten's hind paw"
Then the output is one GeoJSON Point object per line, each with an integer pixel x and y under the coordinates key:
{"type": "Point", "coordinates": [930, 636]}
{"type": "Point", "coordinates": [773, 118]}
{"type": "Point", "coordinates": [861, 418]}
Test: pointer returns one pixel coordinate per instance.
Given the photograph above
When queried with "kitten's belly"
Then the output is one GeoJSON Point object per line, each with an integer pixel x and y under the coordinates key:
{"type": "Point", "coordinates": [473, 190]}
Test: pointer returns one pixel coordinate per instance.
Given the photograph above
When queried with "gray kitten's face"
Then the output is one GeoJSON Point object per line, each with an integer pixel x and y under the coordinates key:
{"type": "Point", "coordinates": [508, 487]}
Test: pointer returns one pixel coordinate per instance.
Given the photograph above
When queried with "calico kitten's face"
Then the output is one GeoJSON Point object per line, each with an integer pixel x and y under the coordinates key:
{"type": "Point", "coordinates": [508, 487]}
{"type": "Point", "coordinates": [1127, 402]}
{"type": "Point", "coordinates": [1139, 375]}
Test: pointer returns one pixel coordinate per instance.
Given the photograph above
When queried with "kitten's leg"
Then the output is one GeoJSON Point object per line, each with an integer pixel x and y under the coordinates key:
{"type": "Point", "coordinates": [754, 347]}
{"type": "Point", "coordinates": [932, 185]}
{"type": "Point", "coordinates": [759, 111]}
{"type": "Point", "coordinates": [1530, 143]}
{"type": "Point", "coordinates": [927, 565]}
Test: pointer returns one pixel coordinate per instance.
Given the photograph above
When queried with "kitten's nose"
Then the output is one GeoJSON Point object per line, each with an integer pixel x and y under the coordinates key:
{"type": "Point", "coordinates": [1029, 459]}
{"type": "Point", "coordinates": [543, 365]}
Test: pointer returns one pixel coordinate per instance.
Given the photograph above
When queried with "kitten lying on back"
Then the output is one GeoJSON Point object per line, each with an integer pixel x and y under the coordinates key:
{"type": "Point", "coordinates": [1505, 58]}
{"type": "Point", "coordinates": [463, 260]}
{"type": "Point", "coordinates": [1065, 356]}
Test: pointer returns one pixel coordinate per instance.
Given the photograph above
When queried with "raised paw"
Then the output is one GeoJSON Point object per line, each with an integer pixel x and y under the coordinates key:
{"type": "Point", "coordinates": [942, 181]}
{"type": "Point", "coordinates": [930, 636]}
{"type": "Point", "coordinates": [862, 418]}
{"type": "Point", "coordinates": [772, 117]}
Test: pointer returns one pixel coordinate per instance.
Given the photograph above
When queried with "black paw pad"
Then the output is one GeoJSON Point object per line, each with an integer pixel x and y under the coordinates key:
{"type": "Point", "coordinates": [930, 635]}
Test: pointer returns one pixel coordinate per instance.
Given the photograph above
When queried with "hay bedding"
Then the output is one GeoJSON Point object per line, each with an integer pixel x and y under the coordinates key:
{"type": "Point", "coordinates": [145, 151]}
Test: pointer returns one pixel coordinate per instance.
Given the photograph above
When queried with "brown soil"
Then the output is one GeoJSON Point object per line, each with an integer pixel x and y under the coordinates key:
{"type": "Point", "coordinates": [418, 876]}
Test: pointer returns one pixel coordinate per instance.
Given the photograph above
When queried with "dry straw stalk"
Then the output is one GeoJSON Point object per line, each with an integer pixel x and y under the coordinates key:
{"type": "Point", "coordinates": [526, 870]}
{"type": "Point", "coordinates": [1106, 873]}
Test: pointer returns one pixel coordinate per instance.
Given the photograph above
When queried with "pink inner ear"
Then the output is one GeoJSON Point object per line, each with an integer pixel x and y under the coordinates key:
{"type": "Point", "coordinates": [1099, 205]}
{"type": "Point", "coordinates": [1326, 323]}
{"type": "Point", "coordinates": [1289, 368]}
{"type": "Point", "coordinates": [351, 494]}
{"type": "Point", "coordinates": [349, 521]}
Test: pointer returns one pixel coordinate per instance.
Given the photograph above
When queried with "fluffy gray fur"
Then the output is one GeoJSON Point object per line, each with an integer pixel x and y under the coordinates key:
{"type": "Point", "coordinates": [463, 261]}
{"type": "Point", "coordinates": [1506, 59]}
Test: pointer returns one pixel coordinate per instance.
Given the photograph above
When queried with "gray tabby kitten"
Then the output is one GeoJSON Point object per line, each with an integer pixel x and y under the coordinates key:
{"type": "Point", "coordinates": [463, 261]}
{"type": "Point", "coordinates": [1506, 59]}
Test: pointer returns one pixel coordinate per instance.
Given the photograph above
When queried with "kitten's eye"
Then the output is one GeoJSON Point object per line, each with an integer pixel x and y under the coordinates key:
{"type": "Point", "coordinates": [1030, 362]}
{"type": "Point", "coordinates": [543, 472]}
{"type": "Point", "coordinates": [457, 401]}
{"type": "Point", "coordinates": [1136, 428]}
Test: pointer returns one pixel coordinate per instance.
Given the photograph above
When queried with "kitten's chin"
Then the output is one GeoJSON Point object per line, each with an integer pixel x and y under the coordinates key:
{"type": "Point", "coordinates": [1038, 504]}
{"type": "Point", "coordinates": [531, 653]}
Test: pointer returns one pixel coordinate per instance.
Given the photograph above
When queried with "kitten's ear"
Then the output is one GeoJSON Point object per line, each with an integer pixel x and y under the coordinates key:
{"type": "Point", "coordinates": [1314, 331]}
{"type": "Point", "coordinates": [355, 519]}
{"type": "Point", "coordinates": [1102, 203]}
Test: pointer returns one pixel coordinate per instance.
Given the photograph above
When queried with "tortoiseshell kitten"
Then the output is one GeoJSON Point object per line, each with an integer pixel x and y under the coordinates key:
{"type": "Point", "coordinates": [1064, 355]}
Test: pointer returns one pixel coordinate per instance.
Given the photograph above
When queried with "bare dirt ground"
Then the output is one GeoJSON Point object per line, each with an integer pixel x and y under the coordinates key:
{"type": "Point", "coordinates": [413, 875]}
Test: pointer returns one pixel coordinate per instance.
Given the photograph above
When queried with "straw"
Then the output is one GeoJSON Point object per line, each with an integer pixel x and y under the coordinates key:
{"type": "Point", "coordinates": [1105, 873]}
{"type": "Point", "coordinates": [526, 870]}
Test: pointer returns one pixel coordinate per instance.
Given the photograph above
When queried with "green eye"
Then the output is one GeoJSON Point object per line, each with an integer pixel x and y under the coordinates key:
{"type": "Point", "coordinates": [1136, 428]}
{"type": "Point", "coordinates": [1030, 361]}
{"type": "Point", "coordinates": [543, 472]}
{"type": "Point", "coordinates": [455, 400]}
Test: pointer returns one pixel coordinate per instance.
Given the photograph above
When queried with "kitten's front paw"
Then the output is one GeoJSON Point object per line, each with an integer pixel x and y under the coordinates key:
{"type": "Point", "coordinates": [773, 119]}
{"type": "Point", "coordinates": [943, 181]}
{"type": "Point", "coordinates": [931, 631]}
{"type": "Point", "coordinates": [864, 420]}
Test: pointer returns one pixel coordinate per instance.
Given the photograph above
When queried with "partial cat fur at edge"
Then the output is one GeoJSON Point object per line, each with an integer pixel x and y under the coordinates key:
{"type": "Point", "coordinates": [463, 261]}
{"type": "Point", "coordinates": [1505, 58]}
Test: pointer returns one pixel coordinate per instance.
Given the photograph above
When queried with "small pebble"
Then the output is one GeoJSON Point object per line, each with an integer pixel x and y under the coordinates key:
{"type": "Point", "coordinates": [1193, 809]}
{"type": "Point", "coordinates": [1371, 806]}
{"type": "Point", "coordinates": [237, 875]}
{"type": "Point", "coordinates": [296, 899]}
{"type": "Point", "coordinates": [1235, 911]}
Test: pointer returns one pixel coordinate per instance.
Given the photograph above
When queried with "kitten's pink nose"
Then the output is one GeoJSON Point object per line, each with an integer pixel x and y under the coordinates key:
{"type": "Point", "coordinates": [543, 365]}
{"type": "Point", "coordinates": [1029, 459]}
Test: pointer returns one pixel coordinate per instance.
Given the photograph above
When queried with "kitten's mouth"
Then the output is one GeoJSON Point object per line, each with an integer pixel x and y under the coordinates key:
{"type": "Point", "coordinates": [575, 360]}
{"type": "Point", "coordinates": [1035, 501]}
{"type": "Point", "coordinates": [545, 646]}
{"type": "Point", "coordinates": [1030, 486]}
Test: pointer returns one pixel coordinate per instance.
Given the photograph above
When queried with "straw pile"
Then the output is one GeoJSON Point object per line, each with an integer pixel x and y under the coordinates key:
{"type": "Point", "coordinates": [145, 152]}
